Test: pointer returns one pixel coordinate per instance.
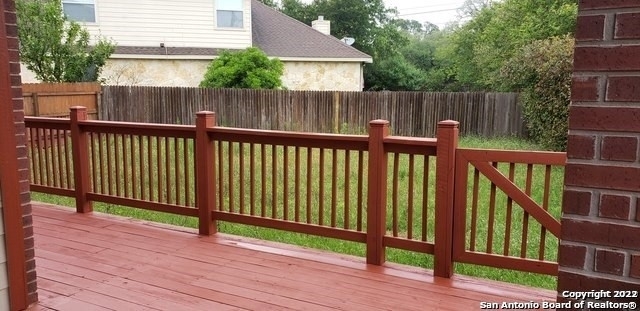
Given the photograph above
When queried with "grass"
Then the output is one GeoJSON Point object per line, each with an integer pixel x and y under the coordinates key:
{"type": "Point", "coordinates": [155, 154]}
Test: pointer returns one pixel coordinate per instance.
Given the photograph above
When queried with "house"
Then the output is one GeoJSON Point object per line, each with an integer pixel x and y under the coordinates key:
{"type": "Point", "coordinates": [171, 42]}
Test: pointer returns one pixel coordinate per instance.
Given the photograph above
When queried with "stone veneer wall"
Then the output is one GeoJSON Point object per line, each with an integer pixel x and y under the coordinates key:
{"type": "Point", "coordinates": [317, 76]}
{"type": "Point", "coordinates": [600, 241]}
{"type": "Point", "coordinates": [18, 109]}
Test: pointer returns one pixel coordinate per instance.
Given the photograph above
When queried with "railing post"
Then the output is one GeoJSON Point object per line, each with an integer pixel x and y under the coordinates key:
{"type": "Point", "coordinates": [80, 149]}
{"type": "Point", "coordinates": [377, 192]}
{"type": "Point", "coordinates": [447, 136]}
{"type": "Point", "coordinates": [205, 173]}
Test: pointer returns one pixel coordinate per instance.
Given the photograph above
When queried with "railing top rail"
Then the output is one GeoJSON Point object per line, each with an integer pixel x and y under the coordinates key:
{"type": "Point", "coordinates": [413, 141]}
{"type": "Point", "coordinates": [47, 123]}
{"type": "Point", "coordinates": [311, 140]}
{"type": "Point", "coordinates": [163, 130]}
{"type": "Point", "coordinates": [46, 119]}
{"type": "Point", "coordinates": [515, 156]}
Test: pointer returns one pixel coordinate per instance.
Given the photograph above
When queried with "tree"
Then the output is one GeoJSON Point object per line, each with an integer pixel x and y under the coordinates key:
{"type": "Point", "coordinates": [500, 29]}
{"type": "Point", "coordinates": [248, 69]}
{"type": "Point", "coordinates": [56, 49]}
{"type": "Point", "coordinates": [395, 74]}
{"type": "Point", "coordinates": [542, 71]}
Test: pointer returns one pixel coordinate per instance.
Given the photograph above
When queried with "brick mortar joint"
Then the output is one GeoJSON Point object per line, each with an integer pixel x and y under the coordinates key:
{"type": "Point", "coordinates": [598, 275]}
{"type": "Point", "coordinates": [601, 220]}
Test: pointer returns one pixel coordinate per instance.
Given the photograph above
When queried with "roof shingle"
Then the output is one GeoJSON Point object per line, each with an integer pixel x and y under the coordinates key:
{"type": "Point", "coordinates": [282, 36]}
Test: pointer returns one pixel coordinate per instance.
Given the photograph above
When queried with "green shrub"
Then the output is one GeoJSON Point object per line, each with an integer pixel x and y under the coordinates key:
{"type": "Point", "coordinates": [248, 69]}
{"type": "Point", "coordinates": [542, 72]}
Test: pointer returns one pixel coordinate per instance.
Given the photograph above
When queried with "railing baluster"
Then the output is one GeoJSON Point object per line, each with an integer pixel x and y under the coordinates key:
{"type": "Point", "coordinates": [158, 168]}
{"type": "Point", "coordinates": [334, 190]}
{"type": "Point", "coordinates": [263, 185]}
{"type": "Point", "coordinates": [492, 214]}
{"type": "Point", "coordinates": [109, 166]}
{"type": "Point", "coordinates": [309, 184]}
{"type": "Point", "coordinates": [474, 209]}
{"type": "Point", "coordinates": [58, 170]}
{"type": "Point", "coordinates": [134, 168]}
{"type": "Point", "coordinates": [150, 166]}
{"type": "Point", "coordinates": [394, 195]}
{"type": "Point", "coordinates": [347, 182]}
{"type": "Point", "coordinates": [425, 198]}
{"type": "Point", "coordinates": [297, 185]}
{"type": "Point", "coordinates": [42, 165]}
{"type": "Point", "coordinates": [321, 189]}
{"type": "Point", "coordinates": [231, 179]}
{"type": "Point", "coordinates": [94, 165]}
{"type": "Point", "coordinates": [221, 175]}
{"type": "Point", "coordinates": [187, 169]}
{"type": "Point", "coordinates": [252, 177]}
{"type": "Point", "coordinates": [143, 187]}
{"type": "Point", "coordinates": [35, 166]}
{"type": "Point", "coordinates": [67, 159]}
{"type": "Point", "coordinates": [125, 165]}
{"type": "Point", "coordinates": [285, 182]}
{"type": "Point", "coordinates": [525, 216]}
{"type": "Point", "coordinates": [167, 170]}
{"type": "Point", "coordinates": [103, 175]}
{"type": "Point", "coordinates": [274, 181]}
{"type": "Point", "coordinates": [545, 205]}
{"type": "Point", "coordinates": [47, 163]}
{"type": "Point", "coordinates": [360, 188]}
{"type": "Point", "coordinates": [507, 230]}
{"type": "Point", "coordinates": [176, 170]}
{"type": "Point", "coordinates": [241, 169]}
{"type": "Point", "coordinates": [117, 159]}
{"type": "Point", "coordinates": [410, 198]}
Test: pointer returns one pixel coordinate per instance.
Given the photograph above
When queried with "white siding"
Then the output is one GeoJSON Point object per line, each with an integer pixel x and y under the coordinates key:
{"type": "Point", "coordinates": [177, 23]}
{"type": "Point", "coordinates": [4, 280]}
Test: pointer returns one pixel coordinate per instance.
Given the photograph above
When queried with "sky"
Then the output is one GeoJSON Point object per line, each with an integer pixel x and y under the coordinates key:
{"type": "Point", "coordinates": [438, 12]}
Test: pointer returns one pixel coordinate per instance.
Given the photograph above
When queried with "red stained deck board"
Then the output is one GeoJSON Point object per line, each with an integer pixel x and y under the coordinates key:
{"type": "Point", "coordinates": [98, 262]}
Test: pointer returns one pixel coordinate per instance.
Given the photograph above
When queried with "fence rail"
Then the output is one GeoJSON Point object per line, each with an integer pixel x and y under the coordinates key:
{"type": "Point", "coordinates": [377, 189]}
{"type": "Point", "coordinates": [410, 113]}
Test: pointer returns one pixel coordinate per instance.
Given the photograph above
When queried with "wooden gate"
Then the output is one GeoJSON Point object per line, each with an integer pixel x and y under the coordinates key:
{"type": "Point", "coordinates": [486, 228]}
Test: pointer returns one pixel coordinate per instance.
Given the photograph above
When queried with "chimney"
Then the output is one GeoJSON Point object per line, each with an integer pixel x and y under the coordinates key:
{"type": "Point", "coordinates": [322, 25]}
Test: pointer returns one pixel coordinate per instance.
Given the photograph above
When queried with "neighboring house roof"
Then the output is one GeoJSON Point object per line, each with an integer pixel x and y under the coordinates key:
{"type": "Point", "coordinates": [282, 36]}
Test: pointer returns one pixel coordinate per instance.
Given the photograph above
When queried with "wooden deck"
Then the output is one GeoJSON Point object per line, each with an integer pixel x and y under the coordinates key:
{"type": "Point", "coordinates": [101, 262]}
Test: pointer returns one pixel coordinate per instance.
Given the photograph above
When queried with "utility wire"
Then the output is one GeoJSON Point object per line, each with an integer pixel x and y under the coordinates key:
{"type": "Point", "coordinates": [426, 12]}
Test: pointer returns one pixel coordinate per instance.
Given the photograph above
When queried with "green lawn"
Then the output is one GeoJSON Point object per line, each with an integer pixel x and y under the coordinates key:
{"type": "Point", "coordinates": [322, 199]}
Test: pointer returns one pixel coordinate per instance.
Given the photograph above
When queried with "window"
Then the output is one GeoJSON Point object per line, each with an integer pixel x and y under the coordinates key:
{"type": "Point", "coordinates": [229, 13]}
{"type": "Point", "coordinates": [80, 10]}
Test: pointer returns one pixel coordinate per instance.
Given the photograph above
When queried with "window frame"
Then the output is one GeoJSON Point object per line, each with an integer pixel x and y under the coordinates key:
{"type": "Point", "coordinates": [218, 9]}
{"type": "Point", "coordinates": [90, 2]}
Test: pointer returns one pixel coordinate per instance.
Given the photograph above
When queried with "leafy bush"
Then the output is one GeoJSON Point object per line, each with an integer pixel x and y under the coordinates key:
{"type": "Point", "coordinates": [542, 71]}
{"type": "Point", "coordinates": [248, 69]}
{"type": "Point", "coordinates": [56, 49]}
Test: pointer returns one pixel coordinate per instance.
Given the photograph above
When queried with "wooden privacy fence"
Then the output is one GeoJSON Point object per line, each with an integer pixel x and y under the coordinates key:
{"type": "Point", "coordinates": [410, 113]}
{"type": "Point", "coordinates": [55, 99]}
{"type": "Point", "coordinates": [377, 189]}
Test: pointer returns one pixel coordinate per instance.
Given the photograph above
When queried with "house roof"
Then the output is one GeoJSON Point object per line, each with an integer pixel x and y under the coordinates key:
{"type": "Point", "coordinates": [282, 36]}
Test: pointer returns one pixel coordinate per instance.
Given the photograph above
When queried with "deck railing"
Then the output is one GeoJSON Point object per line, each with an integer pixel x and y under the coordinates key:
{"type": "Point", "coordinates": [380, 190]}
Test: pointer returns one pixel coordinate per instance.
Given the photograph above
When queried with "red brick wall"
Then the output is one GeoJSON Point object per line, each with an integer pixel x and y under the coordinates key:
{"type": "Point", "coordinates": [600, 241]}
{"type": "Point", "coordinates": [18, 108]}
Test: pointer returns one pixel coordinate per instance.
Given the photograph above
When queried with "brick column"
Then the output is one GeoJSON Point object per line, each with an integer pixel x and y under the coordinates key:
{"type": "Point", "coordinates": [23, 161]}
{"type": "Point", "coordinates": [600, 241]}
